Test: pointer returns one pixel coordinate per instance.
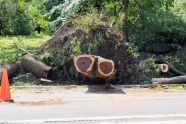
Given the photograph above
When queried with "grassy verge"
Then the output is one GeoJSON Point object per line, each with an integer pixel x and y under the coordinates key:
{"type": "Point", "coordinates": [8, 51]}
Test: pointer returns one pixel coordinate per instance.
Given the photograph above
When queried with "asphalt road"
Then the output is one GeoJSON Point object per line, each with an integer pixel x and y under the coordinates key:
{"type": "Point", "coordinates": [76, 105]}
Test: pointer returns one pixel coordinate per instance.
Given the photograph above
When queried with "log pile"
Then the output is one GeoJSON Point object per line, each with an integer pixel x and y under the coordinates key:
{"type": "Point", "coordinates": [93, 66]}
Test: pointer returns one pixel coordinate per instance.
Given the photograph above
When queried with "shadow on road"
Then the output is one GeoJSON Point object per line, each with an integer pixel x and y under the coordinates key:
{"type": "Point", "coordinates": [100, 89]}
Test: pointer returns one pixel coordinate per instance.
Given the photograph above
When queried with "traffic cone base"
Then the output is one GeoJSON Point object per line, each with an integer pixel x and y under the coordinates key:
{"type": "Point", "coordinates": [12, 101]}
{"type": "Point", "coordinates": [5, 95]}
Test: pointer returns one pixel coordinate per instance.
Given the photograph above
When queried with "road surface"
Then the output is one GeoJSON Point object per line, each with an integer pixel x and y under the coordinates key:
{"type": "Point", "coordinates": [80, 105]}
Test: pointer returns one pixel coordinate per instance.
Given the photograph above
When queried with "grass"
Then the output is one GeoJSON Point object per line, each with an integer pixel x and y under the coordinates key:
{"type": "Point", "coordinates": [171, 87]}
{"type": "Point", "coordinates": [9, 53]}
{"type": "Point", "coordinates": [21, 83]}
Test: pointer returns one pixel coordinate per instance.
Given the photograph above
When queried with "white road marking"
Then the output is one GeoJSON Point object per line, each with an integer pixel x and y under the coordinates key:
{"type": "Point", "coordinates": [145, 117]}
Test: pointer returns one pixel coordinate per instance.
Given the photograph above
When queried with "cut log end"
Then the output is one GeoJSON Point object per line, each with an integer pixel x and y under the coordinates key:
{"type": "Point", "coordinates": [164, 68]}
{"type": "Point", "coordinates": [84, 63]}
{"type": "Point", "coordinates": [106, 67]}
{"type": "Point", "coordinates": [94, 66]}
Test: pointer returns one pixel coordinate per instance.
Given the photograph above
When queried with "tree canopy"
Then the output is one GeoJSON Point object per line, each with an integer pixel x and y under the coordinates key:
{"type": "Point", "coordinates": [148, 21]}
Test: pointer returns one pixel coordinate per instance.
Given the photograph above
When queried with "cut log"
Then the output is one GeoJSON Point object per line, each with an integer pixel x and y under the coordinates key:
{"type": "Point", "coordinates": [39, 69]}
{"type": "Point", "coordinates": [105, 67]}
{"type": "Point", "coordinates": [94, 66]}
{"type": "Point", "coordinates": [171, 68]}
{"type": "Point", "coordinates": [163, 68]}
{"type": "Point", "coordinates": [173, 80]}
{"type": "Point", "coordinates": [84, 64]}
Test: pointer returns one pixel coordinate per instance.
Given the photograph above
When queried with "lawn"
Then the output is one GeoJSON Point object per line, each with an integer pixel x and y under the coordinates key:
{"type": "Point", "coordinates": [8, 51]}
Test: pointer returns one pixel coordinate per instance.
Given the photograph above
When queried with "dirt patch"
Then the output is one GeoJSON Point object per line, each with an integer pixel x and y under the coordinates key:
{"type": "Point", "coordinates": [49, 102]}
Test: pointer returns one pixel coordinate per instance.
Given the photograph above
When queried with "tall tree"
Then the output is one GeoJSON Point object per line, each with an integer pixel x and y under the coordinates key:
{"type": "Point", "coordinates": [125, 21]}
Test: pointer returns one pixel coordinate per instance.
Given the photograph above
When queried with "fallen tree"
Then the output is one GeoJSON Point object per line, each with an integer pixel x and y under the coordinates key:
{"type": "Point", "coordinates": [39, 69]}
{"type": "Point", "coordinates": [173, 80]}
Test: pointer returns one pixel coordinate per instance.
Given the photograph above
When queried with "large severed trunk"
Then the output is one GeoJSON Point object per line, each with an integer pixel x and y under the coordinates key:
{"type": "Point", "coordinates": [94, 66]}
{"type": "Point", "coordinates": [39, 69]}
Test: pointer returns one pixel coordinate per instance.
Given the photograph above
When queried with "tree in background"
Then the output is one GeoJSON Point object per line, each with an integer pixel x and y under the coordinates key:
{"type": "Point", "coordinates": [21, 17]}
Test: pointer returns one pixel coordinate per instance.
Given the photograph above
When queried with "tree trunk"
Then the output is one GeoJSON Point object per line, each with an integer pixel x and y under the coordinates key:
{"type": "Point", "coordinates": [38, 68]}
{"type": "Point", "coordinates": [125, 22]}
{"type": "Point", "coordinates": [174, 80]}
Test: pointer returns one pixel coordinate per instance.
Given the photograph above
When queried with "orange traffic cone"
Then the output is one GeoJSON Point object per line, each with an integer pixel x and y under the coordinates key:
{"type": "Point", "coordinates": [5, 94]}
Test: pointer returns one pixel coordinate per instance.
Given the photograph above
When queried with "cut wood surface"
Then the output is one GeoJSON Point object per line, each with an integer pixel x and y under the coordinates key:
{"type": "Point", "coordinates": [105, 67]}
{"type": "Point", "coordinates": [39, 69]}
{"type": "Point", "coordinates": [94, 66]}
{"type": "Point", "coordinates": [164, 68]}
{"type": "Point", "coordinates": [173, 80]}
{"type": "Point", "coordinates": [84, 64]}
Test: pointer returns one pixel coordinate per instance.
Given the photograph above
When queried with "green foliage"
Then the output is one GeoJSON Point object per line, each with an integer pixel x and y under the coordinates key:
{"type": "Point", "coordinates": [147, 70]}
{"type": "Point", "coordinates": [14, 18]}
{"type": "Point", "coordinates": [61, 11]}
{"type": "Point", "coordinates": [157, 21]}
{"type": "Point", "coordinates": [22, 83]}
{"type": "Point", "coordinates": [89, 21]}
{"type": "Point", "coordinates": [60, 56]}
{"type": "Point", "coordinates": [98, 41]}
{"type": "Point", "coordinates": [8, 50]}
{"type": "Point", "coordinates": [21, 17]}
{"type": "Point", "coordinates": [178, 60]}
{"type": "Point", "coordinates": [76, 48]}
{"type": "Point", "coordinates": [132, 50]}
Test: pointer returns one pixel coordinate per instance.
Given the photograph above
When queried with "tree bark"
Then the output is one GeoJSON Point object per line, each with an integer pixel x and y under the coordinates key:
{"type": "Point", "coordinates": [173, 80]}
{"type": "Point", "coordinates": [125, 22]}
{"type": "Point", "coordinates": [39, 69]}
